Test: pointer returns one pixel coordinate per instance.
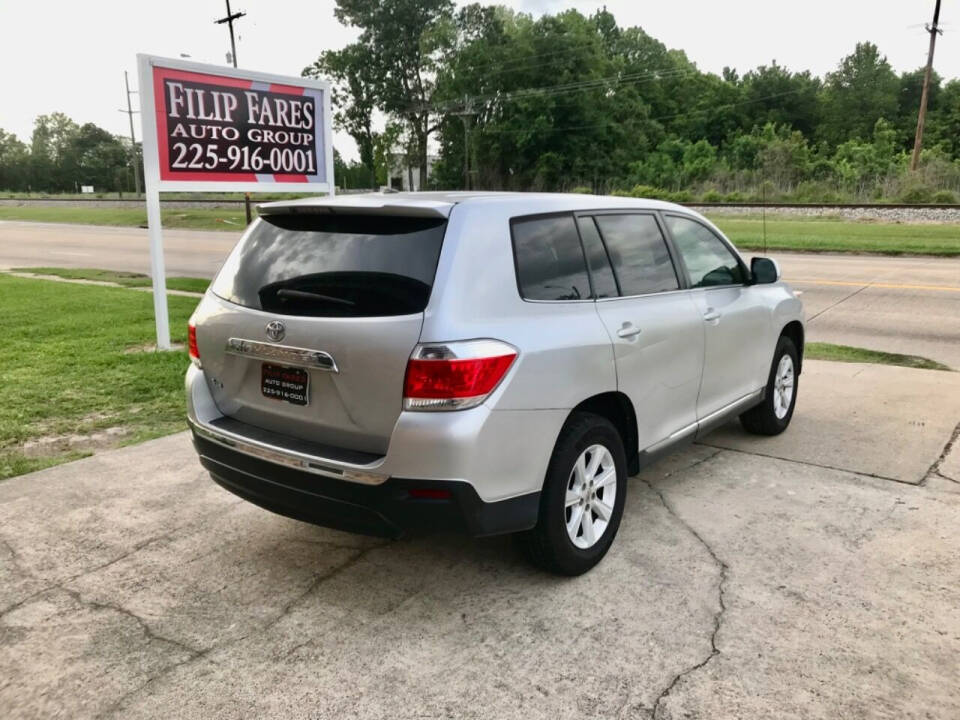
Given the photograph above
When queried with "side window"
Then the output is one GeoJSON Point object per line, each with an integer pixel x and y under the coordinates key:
{"type": "Point", "coordinates": [639, 254]}
{"type": "Point", "coordinates": [604, 284]}
{"type": "Point", "coordinates": [550, 262]}
{"type": "Point", "coordinates": [708, 260]}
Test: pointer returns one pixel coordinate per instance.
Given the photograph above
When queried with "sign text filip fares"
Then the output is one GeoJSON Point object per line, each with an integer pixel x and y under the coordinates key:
{"type": "Point", "coordinates": [223, 129]}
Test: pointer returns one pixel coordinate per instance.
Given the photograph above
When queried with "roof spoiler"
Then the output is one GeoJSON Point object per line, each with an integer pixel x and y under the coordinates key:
{"type": "Point", "coordinates": [358, 206]}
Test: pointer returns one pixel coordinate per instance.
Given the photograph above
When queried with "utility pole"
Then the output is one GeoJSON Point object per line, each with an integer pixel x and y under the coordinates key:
{"type": "Point", "coordinates": [934, 30]}
{"type": "Point", "coordinates": [467, 115]}
{"type": "Point", "coordinates": [229, 20]}
{"type": "Point", "coordinates": [133, 140]}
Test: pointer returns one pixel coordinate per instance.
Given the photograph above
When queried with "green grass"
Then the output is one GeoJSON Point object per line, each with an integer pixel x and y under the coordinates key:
{"type": "Point", "coordinates": [71, 363]}
{"type": "Point", "coordinates": [127, 279]}
{"type": "Point", "coordinates": [846, 353]}
{"type": "Point", "coordinates": [229, 218]}
{"type": "Point", "coordinates": [841, 236]}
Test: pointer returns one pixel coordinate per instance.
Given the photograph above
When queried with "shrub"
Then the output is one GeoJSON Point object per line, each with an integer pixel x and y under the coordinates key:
{"type": "Point", "coordinates": [916, 195]}
{"type": "Point", "coordinates": [651, 193]}
{"type": "Point", "coordinates": [944, 197]}
{"type": "Point", "coordinates": [712, 195]}
{"type": "Point", "coordinates": [735, 197]}
{"type": "Point", "coordinates": [680, 196]}
{"type": "Point", "coordinates": [815, 192]}
{"type": "Point", "coordinates": [581, 190]}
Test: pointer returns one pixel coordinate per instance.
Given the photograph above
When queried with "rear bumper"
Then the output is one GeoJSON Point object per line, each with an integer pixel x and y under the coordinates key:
{"type": "Point", "coordinates": [386, 509]}
{"type": "Point", "coordinates": [500, 454]}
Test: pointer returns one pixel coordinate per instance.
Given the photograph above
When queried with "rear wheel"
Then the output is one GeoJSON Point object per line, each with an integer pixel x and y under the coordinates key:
{"type": "Point", "coordinates": [772, 416]}
{"type": "Point", "coordinates": [583, 497]}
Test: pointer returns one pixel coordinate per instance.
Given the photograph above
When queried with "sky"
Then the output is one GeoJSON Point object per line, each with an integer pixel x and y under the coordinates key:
{"type": "Point", "coordinates": [60, 55]}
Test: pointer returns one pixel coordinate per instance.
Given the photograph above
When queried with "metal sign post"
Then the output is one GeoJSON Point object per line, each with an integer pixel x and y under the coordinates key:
{"type": "Point", "coordinates": [217, 129]}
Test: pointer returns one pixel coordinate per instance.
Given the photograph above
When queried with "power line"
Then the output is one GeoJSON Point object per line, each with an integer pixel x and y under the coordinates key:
{"type": "Point", "coordinates": [650, 119]}
{"type": "Point", "coordinates": [519, 61]}
{"type": "Point", "coordinates": [576, 86]}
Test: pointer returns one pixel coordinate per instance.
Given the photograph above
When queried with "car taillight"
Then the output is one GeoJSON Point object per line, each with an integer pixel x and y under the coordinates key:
{"type": "Point", "coordinates": [192, 344]}
{"type": "Point", "coordinates": [455, 375]}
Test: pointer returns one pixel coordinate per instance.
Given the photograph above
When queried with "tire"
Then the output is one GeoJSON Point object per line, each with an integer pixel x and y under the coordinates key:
{"type": "Point", "coordinates": [772, 416]}
{"type": "Point", "coordinates": [550, 545]}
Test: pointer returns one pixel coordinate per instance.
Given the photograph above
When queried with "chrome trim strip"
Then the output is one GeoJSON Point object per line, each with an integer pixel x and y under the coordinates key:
{"type": "Point", "coordinates": [303, 357]}
{"type": "Point", "coordinates": [694, 426]}
{"type": "Point", "coordinates": [290, 458]}
{"type": "Point", "coordinates": [730, 406]}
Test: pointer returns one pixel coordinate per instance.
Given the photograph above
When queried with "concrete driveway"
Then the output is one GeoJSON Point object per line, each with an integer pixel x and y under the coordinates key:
{"type": "Point", "coordinates": [740, 586]}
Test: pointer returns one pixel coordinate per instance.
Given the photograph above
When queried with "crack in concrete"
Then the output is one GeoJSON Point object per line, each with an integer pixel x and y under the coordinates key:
{"type": "Point", "coordinates": [14, 557]}
{"type": "Point", "coordinates": [721, 590]}
{"type": "Point", "coordinates": [860, 473]}
{"type": "Point", "coordinates": [149, 632]}
{"type": "Point", "coordinates": [59, 584]}
{"type": "Point", "coordinates": [317, 581]}
{"type": "Point", "coordinates": [941, 476]}
{"type": "Point", "coordinates": [935, 467]}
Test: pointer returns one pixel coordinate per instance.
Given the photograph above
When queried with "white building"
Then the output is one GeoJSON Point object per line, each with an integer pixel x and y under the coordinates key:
{"type": "Point", "coordinates": [405, 177]}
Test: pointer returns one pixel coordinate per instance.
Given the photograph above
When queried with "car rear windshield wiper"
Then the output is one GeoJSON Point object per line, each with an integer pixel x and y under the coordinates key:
{"type": "Point", "coordinates": [307, 295]}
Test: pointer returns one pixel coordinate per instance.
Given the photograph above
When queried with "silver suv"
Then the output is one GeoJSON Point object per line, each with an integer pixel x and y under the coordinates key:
{"type": "Point", "coordinates": [486, 362]}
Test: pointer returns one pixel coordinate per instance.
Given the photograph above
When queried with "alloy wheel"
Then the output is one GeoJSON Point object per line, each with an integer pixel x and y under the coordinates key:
{"type": "Point", "coordinates": [591, 495]}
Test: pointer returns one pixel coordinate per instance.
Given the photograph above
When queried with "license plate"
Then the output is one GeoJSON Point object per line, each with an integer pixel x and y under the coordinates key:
{"type": "Point", "coordinates": [289, 384]}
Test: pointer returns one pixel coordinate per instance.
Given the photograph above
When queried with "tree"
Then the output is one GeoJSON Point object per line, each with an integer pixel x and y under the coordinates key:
{"type": "Point", "coordinates": [398, 55]}
{"type": "Point", "coordinates": [773, 94]}
{"type": "Point", "coordinates": [51, 136]}
{"type": "Point", "coordinates": [353, 97]}
{"type": "Point", "coordinates": [14, 162]}
{"type": "Point", "coordinates": [863, 89]}
{"type": "Point", "coordinates": [92, 157]}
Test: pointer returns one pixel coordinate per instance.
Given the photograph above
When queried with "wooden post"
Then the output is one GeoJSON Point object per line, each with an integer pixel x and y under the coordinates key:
{"type": "Point", "coordinates": [922, 116]}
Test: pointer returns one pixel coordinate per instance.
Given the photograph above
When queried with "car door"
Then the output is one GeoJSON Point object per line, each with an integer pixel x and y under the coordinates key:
{"type": "Point", "coordinates": [733, 315]}
{"type": "Point", "coordinates": [656, 329]}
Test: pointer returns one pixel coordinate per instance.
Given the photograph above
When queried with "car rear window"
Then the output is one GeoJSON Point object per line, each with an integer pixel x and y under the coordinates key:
{"type": "Point", "coordinates": [334, 265]}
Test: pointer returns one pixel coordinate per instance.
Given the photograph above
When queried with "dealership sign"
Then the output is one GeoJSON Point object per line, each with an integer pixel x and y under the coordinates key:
{"type": "Point", "coordinates": [210, 128]}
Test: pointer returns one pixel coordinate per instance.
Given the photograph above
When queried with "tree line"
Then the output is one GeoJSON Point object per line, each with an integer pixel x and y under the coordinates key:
{"type": "Point", "coordinates": [575, 102]}
{"type": "Point", "coordinates": [63, 156]}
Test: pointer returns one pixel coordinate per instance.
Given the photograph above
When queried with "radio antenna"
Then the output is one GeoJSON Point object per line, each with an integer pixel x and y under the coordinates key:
{"type": "Point", "coordinates": [763, 211]}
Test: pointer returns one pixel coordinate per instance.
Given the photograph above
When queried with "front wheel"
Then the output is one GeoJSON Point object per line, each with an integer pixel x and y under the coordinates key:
{"type": "Point", "coordinates": [772, 416]}
{"type": "Point", "coordinates": [583, 497]}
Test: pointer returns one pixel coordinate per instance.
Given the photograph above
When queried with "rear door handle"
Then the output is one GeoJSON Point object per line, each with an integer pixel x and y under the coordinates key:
{"type": "Point", "coordinates": [628, 330]}
{"type": "Point", "coordinates": [711, 315]}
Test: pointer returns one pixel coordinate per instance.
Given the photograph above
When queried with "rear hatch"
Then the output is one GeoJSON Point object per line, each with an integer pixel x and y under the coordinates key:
{"type": "Point", "coordinates": [315, 317]}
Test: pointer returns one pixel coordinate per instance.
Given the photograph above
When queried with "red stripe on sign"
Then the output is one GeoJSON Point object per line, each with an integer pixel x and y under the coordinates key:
{"type": "Point", "coordinates": [288, 89]}
{"type": "Point", "coordinates": [290, 178]}
{"type": "Point", "coordinates": [172, 74]}
{"type": "Point", "coordinates": [160, 110]}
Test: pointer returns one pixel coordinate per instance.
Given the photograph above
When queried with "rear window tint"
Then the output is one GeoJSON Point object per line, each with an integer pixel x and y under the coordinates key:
{"type": "Point", "coordinates": [334, 265]}
{"type": "Point", "coordinates": [604, 283]}
{"type": "Point", "coordinates": [639, 253]}
{"type": "Point", "coordinates": [550, 262]}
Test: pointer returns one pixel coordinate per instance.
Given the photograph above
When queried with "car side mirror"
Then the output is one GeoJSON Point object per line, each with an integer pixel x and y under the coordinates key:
{"type": "Point", "coordinates": [764, 271]}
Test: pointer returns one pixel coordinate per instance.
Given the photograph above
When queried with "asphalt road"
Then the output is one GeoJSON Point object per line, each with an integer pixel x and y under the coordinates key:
{"type": "Point", "coordinates": [803, 576]}
{"type": "Point", "coordinates": [898, 304]}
